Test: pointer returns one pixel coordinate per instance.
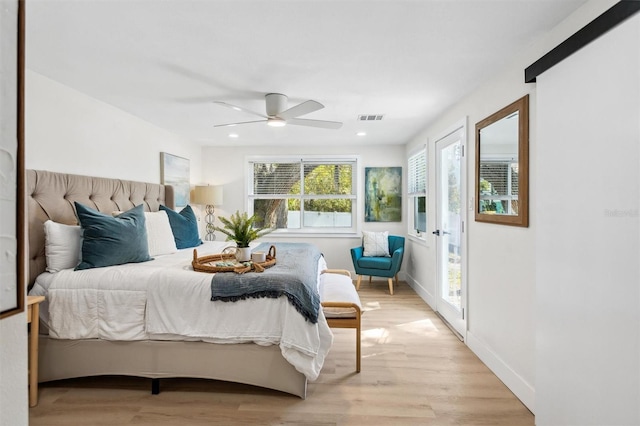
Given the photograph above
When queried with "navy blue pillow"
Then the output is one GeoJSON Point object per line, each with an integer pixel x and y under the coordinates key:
{"type": "Point", "coordinates": [108, 240]}
{"type": "Point", "coordinates": [184, 226]}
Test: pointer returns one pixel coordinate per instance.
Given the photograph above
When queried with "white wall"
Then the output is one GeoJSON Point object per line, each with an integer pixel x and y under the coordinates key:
{"type": "Point", "coordinates": [226, 166]}
{"type": "Point", "coordinates": [14, 403]}
{"type": "Point", "coordinates": [68, 131]}
{"type": "Point", "coordinates": [588, 235]}
{"type": "Point", "coordinates": [502, 321]}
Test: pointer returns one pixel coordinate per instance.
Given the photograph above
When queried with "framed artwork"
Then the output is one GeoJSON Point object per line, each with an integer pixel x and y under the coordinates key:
{"type": "Point", "coordinates": [383, 194]}
{"type": "Point", "coordinates": [12, 217]}
{"type": "Point", "coordinates": [174, 171]}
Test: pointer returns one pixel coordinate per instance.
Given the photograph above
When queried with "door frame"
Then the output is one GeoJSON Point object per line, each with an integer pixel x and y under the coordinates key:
{"type": "Point", "coordinates": [458, 325]}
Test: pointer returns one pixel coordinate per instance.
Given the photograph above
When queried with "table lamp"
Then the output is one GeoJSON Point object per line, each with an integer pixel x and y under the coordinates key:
{"type": "Point", "coordinates": [209, 196]}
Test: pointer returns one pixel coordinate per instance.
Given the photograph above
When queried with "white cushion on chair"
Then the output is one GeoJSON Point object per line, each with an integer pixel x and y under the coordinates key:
{"type": "Point", "coordinates": [338, 288]}
{"type": "Point", "coordinates": [376, 244]}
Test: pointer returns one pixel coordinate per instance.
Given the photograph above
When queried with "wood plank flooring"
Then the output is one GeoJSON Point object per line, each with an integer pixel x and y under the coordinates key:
{"type": "Point", "coordinates": [414, 372]}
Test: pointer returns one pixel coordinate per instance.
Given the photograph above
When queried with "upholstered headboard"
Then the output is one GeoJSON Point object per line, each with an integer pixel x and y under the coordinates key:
{"type": "Point", "coordinates": [51, 195]}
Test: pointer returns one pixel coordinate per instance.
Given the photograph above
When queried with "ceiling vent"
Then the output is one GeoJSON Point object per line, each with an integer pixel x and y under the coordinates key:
{"type": "Point", "coordinates": [370, 117]}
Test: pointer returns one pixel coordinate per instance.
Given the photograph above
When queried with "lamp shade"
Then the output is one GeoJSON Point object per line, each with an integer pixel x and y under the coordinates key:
{"type": "Point", "coordinates": [208, 195]}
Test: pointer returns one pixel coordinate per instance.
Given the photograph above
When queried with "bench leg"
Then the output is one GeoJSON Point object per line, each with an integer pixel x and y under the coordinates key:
{"type": "Point", "coordinates": [391, 285]}
{"type": "Point", "coordinates": [358, 354]}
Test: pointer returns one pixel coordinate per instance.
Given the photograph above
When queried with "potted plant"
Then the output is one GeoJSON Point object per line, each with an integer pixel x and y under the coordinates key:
{"type": "Point", "coordinates": [239, 228]}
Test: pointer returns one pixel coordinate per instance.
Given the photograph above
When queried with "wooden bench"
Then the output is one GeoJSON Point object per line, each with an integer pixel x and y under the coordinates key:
{"type": "Point", "coordinates": [341, 303]}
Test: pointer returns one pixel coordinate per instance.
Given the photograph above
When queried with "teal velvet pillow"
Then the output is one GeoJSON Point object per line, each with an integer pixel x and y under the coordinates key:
{"type": "Point", "coordinates": [108, 240]}
{"type": "Point", "coordinates": [184, 226]}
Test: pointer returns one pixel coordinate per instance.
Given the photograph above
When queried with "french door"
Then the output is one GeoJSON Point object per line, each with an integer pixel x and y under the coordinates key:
{"type": "Point", "coordinates": [450, 222]}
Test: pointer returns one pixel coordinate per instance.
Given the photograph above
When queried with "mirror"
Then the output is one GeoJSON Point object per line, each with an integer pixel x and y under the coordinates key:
{"type": "Point", "coordinates": [502, 166]}
{"type": "Point", "coordinates": [12, 191]}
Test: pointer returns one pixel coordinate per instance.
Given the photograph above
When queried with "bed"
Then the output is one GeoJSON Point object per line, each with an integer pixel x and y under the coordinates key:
{"type": "Point", "coordinates": [146, 350]}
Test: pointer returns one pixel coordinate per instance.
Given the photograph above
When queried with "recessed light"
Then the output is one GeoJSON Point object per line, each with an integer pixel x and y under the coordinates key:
{"type": "Point", "coordinates": [233, 135]}
{"type": "Point", "coordinates": [361, 134]}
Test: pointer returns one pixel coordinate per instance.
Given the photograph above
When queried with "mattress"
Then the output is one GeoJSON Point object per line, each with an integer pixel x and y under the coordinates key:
{"type": "Point", "coordinates": [164, 299]}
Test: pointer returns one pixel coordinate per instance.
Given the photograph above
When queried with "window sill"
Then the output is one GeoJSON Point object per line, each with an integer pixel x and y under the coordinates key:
{"type": "Point", "coordinates": [312, 234]}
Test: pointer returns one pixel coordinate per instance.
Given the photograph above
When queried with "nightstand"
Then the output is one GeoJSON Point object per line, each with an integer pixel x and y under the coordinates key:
{"type": "Point", "coordinates": [33, 314]}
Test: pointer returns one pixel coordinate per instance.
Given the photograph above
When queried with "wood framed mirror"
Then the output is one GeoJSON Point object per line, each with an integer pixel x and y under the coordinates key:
{"type": "Point", "coordinates": [502, 166]}
{"type": "Point", "coordinates": [12, 291]}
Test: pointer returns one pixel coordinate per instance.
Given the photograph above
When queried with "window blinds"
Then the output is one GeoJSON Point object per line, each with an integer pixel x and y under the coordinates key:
{"type": "Point", "coordinates": [417, 173]}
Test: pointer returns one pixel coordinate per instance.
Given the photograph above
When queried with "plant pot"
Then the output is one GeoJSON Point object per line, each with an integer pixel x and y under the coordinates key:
{"type": "Point", "coordinates": [243, 254]}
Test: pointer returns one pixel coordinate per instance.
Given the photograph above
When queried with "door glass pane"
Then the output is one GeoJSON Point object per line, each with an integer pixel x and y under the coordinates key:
{"type": "Point", "coordinates": [450, 205]}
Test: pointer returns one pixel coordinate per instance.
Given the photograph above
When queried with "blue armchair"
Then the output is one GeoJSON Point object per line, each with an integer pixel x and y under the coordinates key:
{"type": "Point", "coordinates": [387, 267]}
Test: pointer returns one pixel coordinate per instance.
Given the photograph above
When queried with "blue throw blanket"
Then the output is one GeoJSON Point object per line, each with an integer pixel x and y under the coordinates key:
{"type": "Point", "coordinates": [294, 275]}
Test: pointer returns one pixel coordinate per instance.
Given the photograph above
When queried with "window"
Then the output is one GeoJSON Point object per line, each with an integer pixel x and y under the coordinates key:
{"type": "Point", "coordinates": [308, 195]}
{"type": "Point", "coordinates": [417, 192]}
{"type": "Point", "coordinates": [499, 186]}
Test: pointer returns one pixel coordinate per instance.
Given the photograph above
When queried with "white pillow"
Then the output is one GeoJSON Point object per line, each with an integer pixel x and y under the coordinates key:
{"type": "Point", "coordinates": [159, 233]}
{"type": "Point", "coordinates": [63, 246]}
{"type": "Point", "coordinates": [375, 243]}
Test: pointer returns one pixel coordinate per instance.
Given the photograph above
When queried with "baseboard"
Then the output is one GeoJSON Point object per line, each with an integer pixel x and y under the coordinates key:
{"type": "Point", "coordinates": [524, 391]}
{"type": "Point", "coordinates": [421, 291]}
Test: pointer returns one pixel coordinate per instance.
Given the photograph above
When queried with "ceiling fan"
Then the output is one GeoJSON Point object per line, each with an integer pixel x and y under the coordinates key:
{"type": "Point", "coordinates": [278, 115]}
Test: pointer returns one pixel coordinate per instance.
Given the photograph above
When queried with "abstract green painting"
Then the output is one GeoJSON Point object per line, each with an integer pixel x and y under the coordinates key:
{"type": "Point", "coordinates": [383, 194]}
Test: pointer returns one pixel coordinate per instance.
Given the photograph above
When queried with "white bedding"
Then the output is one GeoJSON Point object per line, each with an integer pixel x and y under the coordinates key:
{"type": "Point", "coordinates": [164, 299]}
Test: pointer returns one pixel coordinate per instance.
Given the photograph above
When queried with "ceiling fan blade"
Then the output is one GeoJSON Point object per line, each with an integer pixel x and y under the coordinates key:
{"type": "Point", "coordinates": [301, 109]}
{"type": "Point", "coordinates": [237, 124]}
{"type": "Point", "coordinates": [315, 123]}
{"type": "Point", "coordinates": [237, 108]}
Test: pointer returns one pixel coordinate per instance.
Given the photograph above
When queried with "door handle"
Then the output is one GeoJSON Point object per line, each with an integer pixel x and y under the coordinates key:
{"type": "Point", "coordinates": [436, 232]}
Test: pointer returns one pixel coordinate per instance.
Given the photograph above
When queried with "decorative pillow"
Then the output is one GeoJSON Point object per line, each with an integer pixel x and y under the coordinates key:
{"type": "Point", "coordinates": [159, 234]}
{"type": "Point", "coordinates": [184, 226]}
{"type": "Point", "coordinates": [200, 215]}
{"type": "Point", "coordinates": [376, 244]}
{"type": "Point", "coordinates": [62, 245]}
{"type": "Point", "coordinates": [109, 240]}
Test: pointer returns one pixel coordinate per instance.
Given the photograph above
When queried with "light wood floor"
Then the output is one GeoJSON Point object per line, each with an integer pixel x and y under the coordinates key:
{"type": "Point", "coordinates": [414, 372]}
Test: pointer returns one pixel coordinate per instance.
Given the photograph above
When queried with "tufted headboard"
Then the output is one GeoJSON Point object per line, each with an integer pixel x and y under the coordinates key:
{"type": "Point", "coordinates": [51, 195]}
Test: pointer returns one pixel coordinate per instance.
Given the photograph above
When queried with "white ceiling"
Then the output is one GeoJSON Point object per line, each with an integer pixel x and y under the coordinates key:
{"type": "Point", "coordinates": [165, 61]}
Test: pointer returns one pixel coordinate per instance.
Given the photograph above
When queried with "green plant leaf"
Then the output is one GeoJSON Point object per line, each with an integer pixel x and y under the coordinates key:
{"type": "Point", "coordinates": [239, 227]}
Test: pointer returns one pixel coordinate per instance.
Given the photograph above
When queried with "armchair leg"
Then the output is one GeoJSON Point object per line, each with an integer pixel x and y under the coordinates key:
{"type": "Point", "coordinates": [369, 279]}
{"type": "Point", "coordinates": [391, 286]}
{"type": "Point", "coordinates": [358, 282]}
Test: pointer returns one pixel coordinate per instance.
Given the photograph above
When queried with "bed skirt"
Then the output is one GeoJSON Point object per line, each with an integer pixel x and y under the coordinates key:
{"type": "Point", "coordinates": [239, 363]}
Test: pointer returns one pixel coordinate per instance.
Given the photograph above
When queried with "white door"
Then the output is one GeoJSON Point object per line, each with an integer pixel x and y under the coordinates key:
{"type": "Point", "coordinates": [450, 222]}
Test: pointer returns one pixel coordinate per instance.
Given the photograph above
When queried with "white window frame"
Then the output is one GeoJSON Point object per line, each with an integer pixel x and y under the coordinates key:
{"type": "Point", "coordinates": [354, 229]}
{"type": "Point", "coordinates": [417, 187]}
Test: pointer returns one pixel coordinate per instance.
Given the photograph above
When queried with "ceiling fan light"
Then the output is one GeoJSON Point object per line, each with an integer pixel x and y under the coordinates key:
{"type": "Point", "coordinates": [276, 122]}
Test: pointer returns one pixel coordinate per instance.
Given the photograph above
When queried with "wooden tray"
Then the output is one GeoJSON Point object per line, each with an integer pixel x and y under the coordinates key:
{"type": "Point", "coordinates": [208, 263]}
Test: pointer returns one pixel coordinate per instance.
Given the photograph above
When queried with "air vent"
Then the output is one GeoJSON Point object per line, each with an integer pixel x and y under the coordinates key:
{"type": "Point", "coordinates": [370, 117]}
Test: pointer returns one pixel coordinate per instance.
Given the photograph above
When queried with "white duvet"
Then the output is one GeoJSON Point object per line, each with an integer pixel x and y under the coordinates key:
{"type": "Point", "coordinates": [164, 299]}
